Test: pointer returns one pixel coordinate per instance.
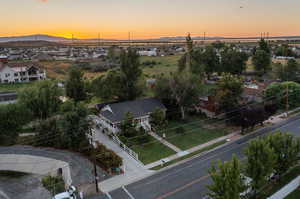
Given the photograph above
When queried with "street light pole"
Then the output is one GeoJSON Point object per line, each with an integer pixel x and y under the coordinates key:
{"type": "Point", "coordinates": [287, 98]}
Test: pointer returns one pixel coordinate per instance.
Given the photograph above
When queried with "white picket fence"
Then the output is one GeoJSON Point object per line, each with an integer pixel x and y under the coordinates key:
{"type": "Point", "coordinates": [125, 148]}
{"type": "Point", "coordinates": [287, 189]}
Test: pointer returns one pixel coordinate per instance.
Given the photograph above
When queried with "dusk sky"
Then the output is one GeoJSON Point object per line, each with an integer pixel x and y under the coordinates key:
{"type": "Point", "coordinates": [149, 18]}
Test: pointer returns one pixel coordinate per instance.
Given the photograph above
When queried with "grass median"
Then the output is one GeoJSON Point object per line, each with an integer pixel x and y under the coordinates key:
{"type": "Point", "coordinates": [189, 155]}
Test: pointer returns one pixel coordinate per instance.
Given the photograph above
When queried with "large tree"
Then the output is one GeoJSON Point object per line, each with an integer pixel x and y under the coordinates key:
{"type": "Point", "coordinates": [12, 117]}
{"type": "Point", "coordinates": [75, 85]}
{"type": "Point", "coordinates": [284, 94]}
{"type": "Point", "coordinates": [130, 75]}
{"type": "Point", "coordinates": [158, 119]}
{"type": "Point", "coordinates": [233, 61]}
{"type": "Point", "coordinates": [287, 150]}
{"type": "Point", "coordinates": [124, 83]}
{"type": "Point", "coordinates": [228, 181]}
{"type": "Point", "coordinates": [230, 88]}
{"type": "Point", "coordinates": [42, 99]}
{"type": "Point", "coordinates": [263, 45]}
{"type": "Point", "coordinates": [191, 63]}
{"type": "Point", "coordinates": [260, 163]}
{"type": "Point", "coordinates": [108, 87]}
{"type": "Point", "coordinates": [74, 125]}
{"type": "Point", "coordinates": [261, 61]}
{"type": "Point", "coordinates": [288, 72]}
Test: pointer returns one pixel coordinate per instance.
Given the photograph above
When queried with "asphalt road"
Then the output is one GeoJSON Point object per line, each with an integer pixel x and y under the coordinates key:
{"type": "Point", "coordinates": [189, 180]}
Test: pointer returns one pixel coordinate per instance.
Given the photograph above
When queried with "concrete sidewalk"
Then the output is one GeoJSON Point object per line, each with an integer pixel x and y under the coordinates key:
{"type": "Point", "coordinates": [232, 137]}
{"type": "Point", "coordinates": [134, 170]}
{"type": "Point", "coordinates": [165, 142]}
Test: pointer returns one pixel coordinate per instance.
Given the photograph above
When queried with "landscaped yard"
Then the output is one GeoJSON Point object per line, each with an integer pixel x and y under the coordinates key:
{"type": "Point", "coordinates": [194, 133]}
{"type": "Point", "coordinates": [152, 152]}
{"type": "Point", "coordinates": [294, 195]}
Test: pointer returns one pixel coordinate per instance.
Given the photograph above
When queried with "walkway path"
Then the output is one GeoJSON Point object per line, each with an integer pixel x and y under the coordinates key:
{"type": "Point", "coordinates": [134, 170]}
{"type": "Point", "coordinates": [163, 141]}
{"type": "Point", "coordinates": [231, 137]}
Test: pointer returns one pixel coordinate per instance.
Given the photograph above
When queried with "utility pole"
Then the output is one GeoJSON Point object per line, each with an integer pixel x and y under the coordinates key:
{"type": "Point", "coordinates": [287, 98]}
{"type": "Point", "coordinates": [94, 162]}
{"type": "Point", "coordinates": [96, 175]}
{"type": "Point", "coordinates": [98, 39]}
{"type": "Point", "coordinates": [129, 40]}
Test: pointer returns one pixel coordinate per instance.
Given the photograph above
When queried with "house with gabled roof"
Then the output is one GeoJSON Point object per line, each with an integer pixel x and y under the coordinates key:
{"type": "Point", "coordinates": [12, 72]}
{"type": "Point", "coordinates": [112, 114]}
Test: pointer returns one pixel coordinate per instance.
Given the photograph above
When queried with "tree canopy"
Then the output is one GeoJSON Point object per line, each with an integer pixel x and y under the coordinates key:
{"type": "Point", "coordinates": [75, 86]}
{"type": "Point", "coordinates": [124, 83]}
{"type": "Point", "coordinates": [279, 92]}
{"type": "Point", "coordinates": [42, 99]}
{"type": "Point", "coordinates": [230, 88]}
{"type": "Point", "coordinates": [260, 163]}
{"type": "Point", "coordinates": [233, 61]}
{"type": "Point", "coordinates": [228, 181]}
{"type": "Point", "coordinates": [288, 72]}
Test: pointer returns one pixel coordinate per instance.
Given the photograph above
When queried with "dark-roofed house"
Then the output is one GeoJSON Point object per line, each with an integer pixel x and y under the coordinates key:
{"type": "Point", "coordinates": [111, 115]}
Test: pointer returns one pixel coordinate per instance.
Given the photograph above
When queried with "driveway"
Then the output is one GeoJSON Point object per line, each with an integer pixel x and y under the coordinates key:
{"type": "Point", "coordinates": [81, 167]}
{"type": "Point", "coordinates": [25, 187]}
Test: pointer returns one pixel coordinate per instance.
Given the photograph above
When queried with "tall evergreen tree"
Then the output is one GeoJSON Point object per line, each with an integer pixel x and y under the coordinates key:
{"type": "Point", "coordinates": [130, 75]}
{"type": "Point", "coordinates": [75, 86]}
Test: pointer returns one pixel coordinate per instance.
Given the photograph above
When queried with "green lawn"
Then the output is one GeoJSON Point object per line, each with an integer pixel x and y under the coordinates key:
{"type": "Point", "coordinates": [189, 155]}
{"type": "Point", "coordinates": [294, 195]}
{"type": "Point", "coordinates": [194, 134]}
{"type": "Point", "coordinates": [152, 152]}
{"type": "Point", "coordinates": [13, 87]}
{"type": "Point", "coordinates": [164, 65]}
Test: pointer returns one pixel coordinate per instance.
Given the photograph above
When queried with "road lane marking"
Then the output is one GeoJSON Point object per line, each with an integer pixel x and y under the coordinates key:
{"type": "Point", "coordinates": [183, 187]}
{"type": "Point", "coordinates": [129, 194]}
{"type": "Point", "coordinates": [4, 195]}
{"type": "Point", "coordinates": [233, 147]}
{"type": "Point", "coordinates": [108, 195]}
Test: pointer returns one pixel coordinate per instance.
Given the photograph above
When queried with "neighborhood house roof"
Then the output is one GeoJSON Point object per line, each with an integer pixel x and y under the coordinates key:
{"type": "Point", "coordinates": [137, 108]}
{"type": "Point", "coordinates": [20, 66]}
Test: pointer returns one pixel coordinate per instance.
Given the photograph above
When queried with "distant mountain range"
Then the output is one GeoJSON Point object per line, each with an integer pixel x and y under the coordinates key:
{"type": "Point", "coordinates": [49, 38]}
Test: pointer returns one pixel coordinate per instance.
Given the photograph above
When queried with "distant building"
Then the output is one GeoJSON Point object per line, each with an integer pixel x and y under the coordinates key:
{"type": "Point", "coordinates": [111, 115]}
{"type": "Point", "coordinates": [21, 72]}
{"type": "Point", "coordinates": [149, 53]}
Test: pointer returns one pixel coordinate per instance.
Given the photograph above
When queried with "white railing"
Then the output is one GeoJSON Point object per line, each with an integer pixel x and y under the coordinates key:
{"type": "Point", "coordinates": [287, 189]}
{"type": "Point", "coordinates": [125, 148]}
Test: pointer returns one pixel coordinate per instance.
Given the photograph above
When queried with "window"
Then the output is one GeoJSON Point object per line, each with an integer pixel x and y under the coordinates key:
{"type": "Point", "coordinates": [16, 74]}
{"type": "Point", "coordinates": [7, 74]}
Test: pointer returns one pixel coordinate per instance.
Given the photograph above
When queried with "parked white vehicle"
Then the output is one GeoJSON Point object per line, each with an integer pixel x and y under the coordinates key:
{"type": "Point", "coordinates": [69, 194]}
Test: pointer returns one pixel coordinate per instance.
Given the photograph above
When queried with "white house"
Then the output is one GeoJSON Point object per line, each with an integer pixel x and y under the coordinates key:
{"type": "Point", "coordinates": [21, 72]}
{"type": "Point", "coordinates": [111, 115]}
{"type": "Point", "coordinates": [149, 53]}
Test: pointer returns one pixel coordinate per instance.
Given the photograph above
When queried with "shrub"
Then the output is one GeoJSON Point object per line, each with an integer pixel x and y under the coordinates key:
{"type": "Point", "coordinates": [54, 185]}
{"type": "Point", "coordinates": [106, 158]}
{"type": "Point", "coordinates": [180, 130]}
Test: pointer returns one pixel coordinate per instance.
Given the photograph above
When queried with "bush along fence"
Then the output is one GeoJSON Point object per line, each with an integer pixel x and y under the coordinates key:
{"type": "Point", "coordinates": [286, 190]}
